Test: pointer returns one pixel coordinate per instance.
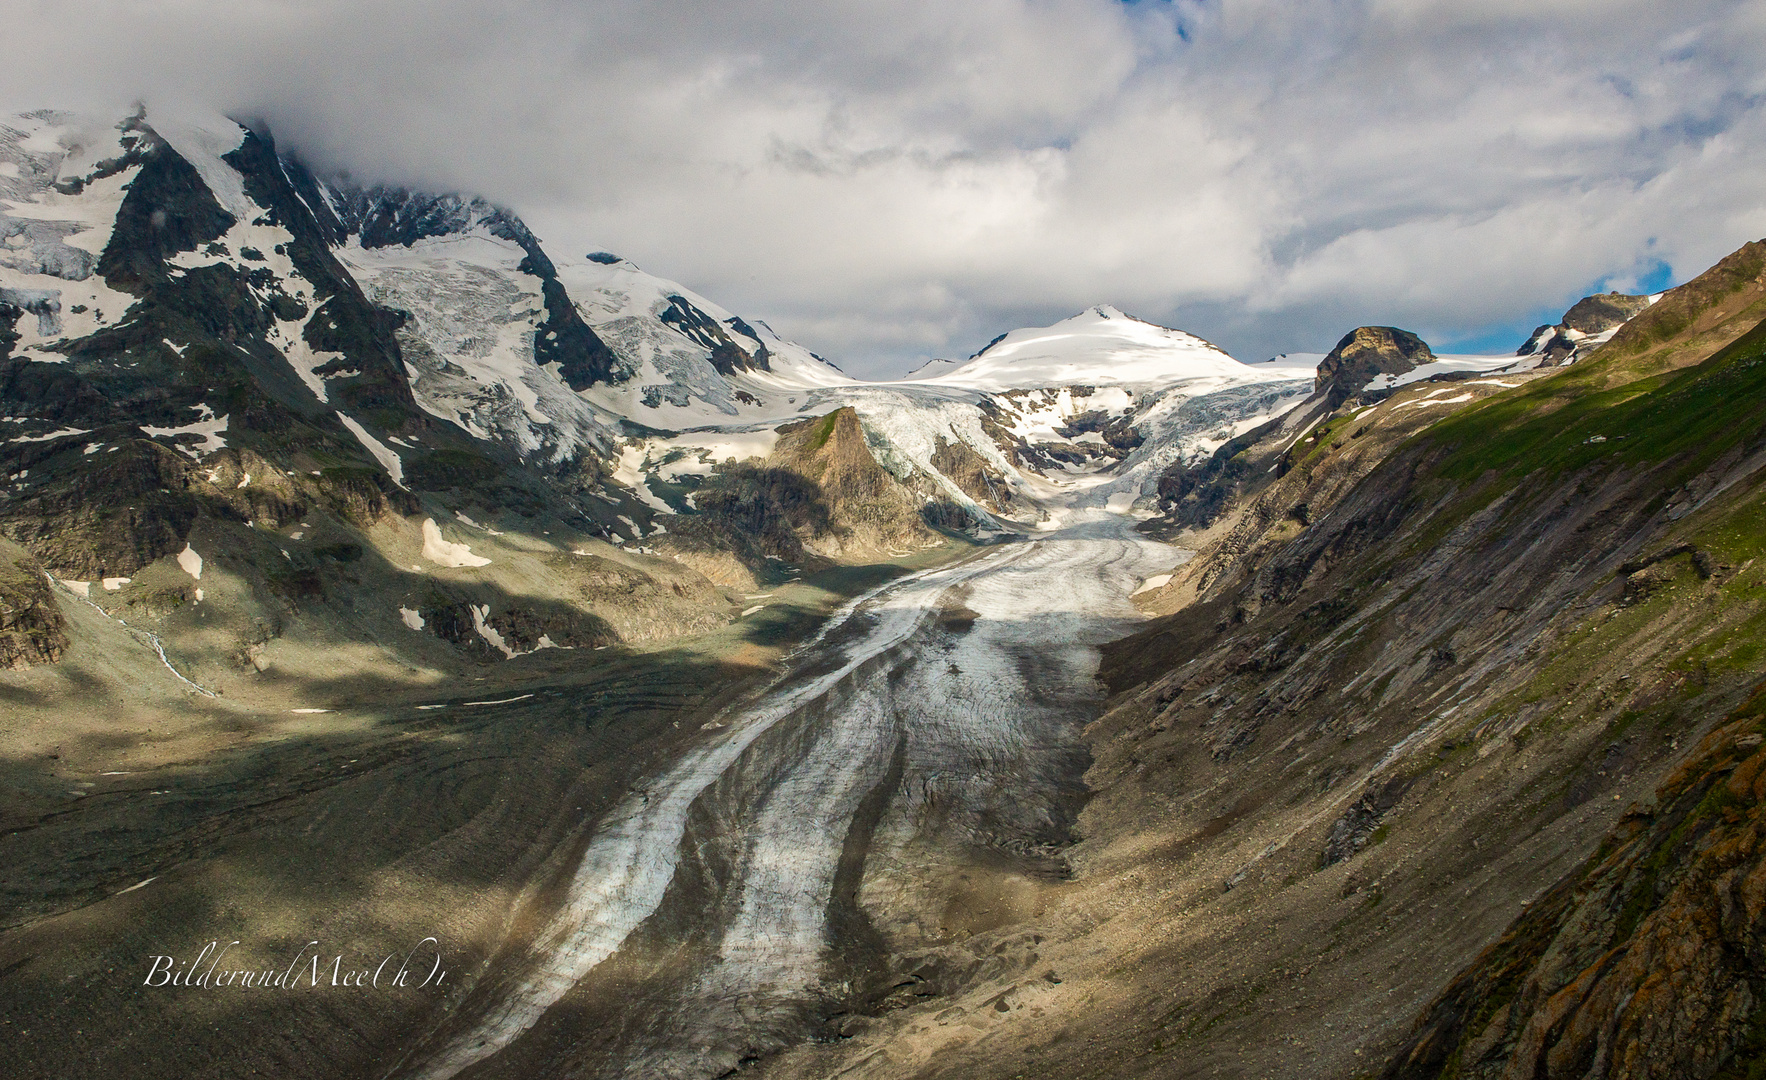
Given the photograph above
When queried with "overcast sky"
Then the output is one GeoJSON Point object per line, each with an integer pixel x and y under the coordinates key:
{"type": "Point", "coordinates": [895, 179]}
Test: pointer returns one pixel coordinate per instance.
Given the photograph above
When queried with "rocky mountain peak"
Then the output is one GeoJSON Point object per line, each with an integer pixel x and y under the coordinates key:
{"type": "Point", "coordinates": [1591, 321]}
{"type": "Point", "coordinates": [1365, 352]}
{"type": "Point", "coordinates": [1595, 314]}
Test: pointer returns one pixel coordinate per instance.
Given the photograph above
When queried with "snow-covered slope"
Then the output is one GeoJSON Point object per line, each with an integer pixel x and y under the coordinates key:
{"type": "Point", "coordinates": [1101, 402]}
{"type": "Point", "coordinates": [62, 179]}
{"type": "Point", "coordinates": [1444, 364]}
{"type": "Point", "coordinates": [485, 301]}
{"type": "Point", "coordinates": [686, 361]}
{"type": "Point", "coordinates": [474, 310]}
{"type": "Point", "coordinates": [1099, 346]}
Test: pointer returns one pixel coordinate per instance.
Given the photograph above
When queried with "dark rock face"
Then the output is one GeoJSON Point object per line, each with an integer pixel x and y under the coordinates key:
{"type": "Point", "coordinates": [456, 616]}
{"type": "Point", "coordinates": [110, 519]}
{"type": "Point", "coordinates": [726, 355]}
{"type": "Point", "coordinates": [583, 359]}
{"type": "Point", "coordinates": [1356, 828]}
{"type": "Point", "coordinates": [1194, 496]}
{"type": "Point", "coordinates": [168, 209]}
{"type": "Point", "coordinates": [1118, 433]}
{"type": "Point", "coordinates": [198, 344]}
{"type": "Point", "coordinates": [383, 216]}
{"type": "Point", "coordinates": [1365, 352]}
{"type": "Point", "coordinates": [989, 345]}
{"type": "Point", "coordinates": [45, 304]}
{"type": "Point", "coordinates": [32, 630]}
{"type": "Point", "coordinates": [347, 322]}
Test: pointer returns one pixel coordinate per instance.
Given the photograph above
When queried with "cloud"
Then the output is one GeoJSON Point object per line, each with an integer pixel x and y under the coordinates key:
{"type": "Point", "coordinates": [890, 181]}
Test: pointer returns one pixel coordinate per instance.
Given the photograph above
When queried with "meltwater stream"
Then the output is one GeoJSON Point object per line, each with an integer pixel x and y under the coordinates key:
{"type": "Point", "coordinates": [973, 679]}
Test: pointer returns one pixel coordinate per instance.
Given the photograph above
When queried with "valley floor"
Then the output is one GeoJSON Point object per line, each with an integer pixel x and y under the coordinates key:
{"type": "Point", "coordinates": [901, 789]}
{"type": "Point", "coordinates": [364, 810]}
{"type": "Point", "coordinates": [852, 858]}
{"type": "Point", "coordinates": [670, 863]}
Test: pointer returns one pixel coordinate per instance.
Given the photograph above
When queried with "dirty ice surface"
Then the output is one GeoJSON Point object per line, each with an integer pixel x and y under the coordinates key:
{"type": "Point", "coordinates": [886, 677]}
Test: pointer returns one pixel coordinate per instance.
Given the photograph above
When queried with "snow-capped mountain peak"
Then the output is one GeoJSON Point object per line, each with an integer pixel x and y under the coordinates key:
{"type": "Point", "coordinates": [1098, 346]}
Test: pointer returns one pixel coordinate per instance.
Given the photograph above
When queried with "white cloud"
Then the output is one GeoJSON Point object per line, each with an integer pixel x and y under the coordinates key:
{"type": "Point", "coordinates": [886, 181]}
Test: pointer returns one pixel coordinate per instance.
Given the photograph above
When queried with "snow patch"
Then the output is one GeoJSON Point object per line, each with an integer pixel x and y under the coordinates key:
{"type": "Point", "coordinates": [489, 632]}
{"type": "Point", "coordinates": [62, 434]}
{"type": "Point", "coordinates": [1440, 366]}
{"type": "Point", "coordinates": [202, 138]}
{"type": "Point", "coordinates": [631, 460]}
{"type": "Point", "coordinates": [482, 528]}
{"type": "Point", "coordinates": [1433, 400]}
{"type": "Point", "coordinates": [1157, 581]}
{"type": "Point", "coordinates": [413, 619]}
{"type": "Point", "coordinates": [191, 562]}
{"type": "Point", "coordinates": [209, 426]}
{"type": "Point", "coordinates": [446, 553]}
{"type": "Point", "coordinates": [389, 461]}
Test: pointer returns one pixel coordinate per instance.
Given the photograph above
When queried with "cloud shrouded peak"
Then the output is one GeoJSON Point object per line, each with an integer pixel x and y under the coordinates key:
{"type": "Point", "coordinates": [887, 182]}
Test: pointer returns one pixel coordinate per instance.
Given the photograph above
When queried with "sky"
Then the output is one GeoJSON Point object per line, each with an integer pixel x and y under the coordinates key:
{"type": "Point", "coordinates": [891, 180]}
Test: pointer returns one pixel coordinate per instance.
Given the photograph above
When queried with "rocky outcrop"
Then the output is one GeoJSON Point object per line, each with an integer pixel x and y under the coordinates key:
{"type": "Point", "coordinates": [32, 629]}
{"type": "Point", "coordinates": [1360, 823]}
{"type": "Point", "coordinates": [487, 633]}
{"type": "Point", "coordinates": [727, 356]}
{"type": "Point", "coordinates": [969, 471]}
{"type": "Point", "coordinates": [1365, 352]}
{"type": "Point", "coordinates": [1590, 322]}
{"type": "Point", "coordinates": [1646, 963]}
{"type": "Point", "coordinates": [97, 515]}
{"type": "Point", "coordinates": [1196, 494]}
{"type": "Point", "coordinates": [819, 496]}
